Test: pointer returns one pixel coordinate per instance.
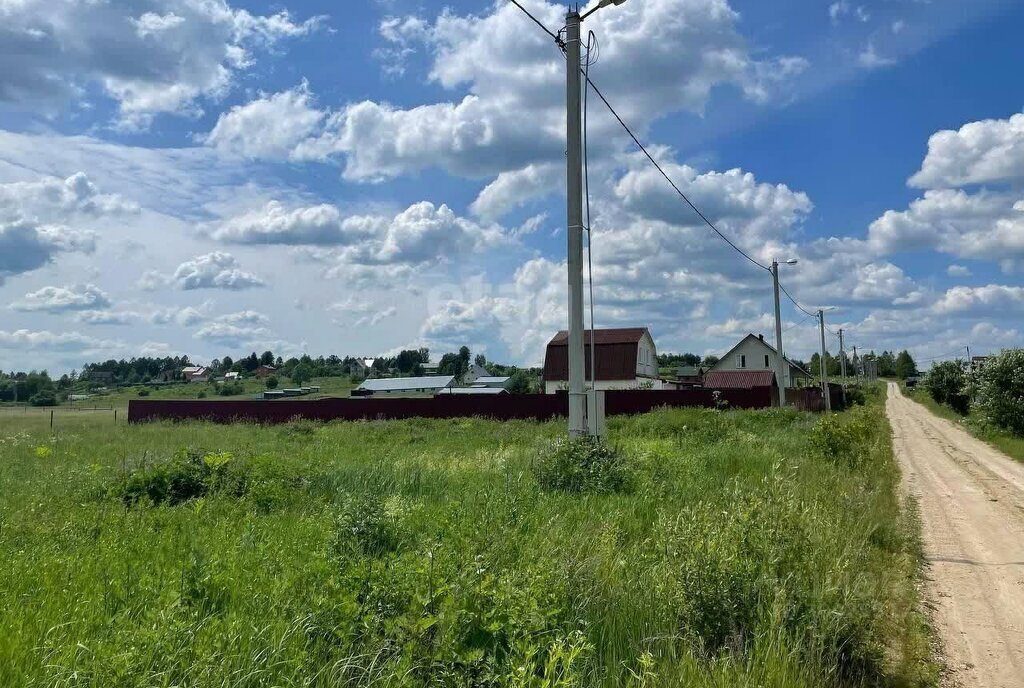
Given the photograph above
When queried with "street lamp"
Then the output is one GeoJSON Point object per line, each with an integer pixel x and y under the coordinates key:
{"type": "Point", "coordinates": [780, 366]}
{"type": "Point", "coordinates": [578, 425]}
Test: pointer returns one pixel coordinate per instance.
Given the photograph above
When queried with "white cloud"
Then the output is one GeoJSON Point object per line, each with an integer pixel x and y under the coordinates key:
{"type": "Point", "coordinates": [231, 335]}
{"type": "Point", "coordinates": [275, 224]}
{"type": "Point", "coordinates": [149, 62]}
{"type": "Point", "coordinates": [685, 49]}
{"type": "Point", "coordinates": [106, 317]}
{"type": "Point", "coordinates": [981, 152]}
{"type": "Point", "coordinates": [63, 299]}
{"type": "Point", "coordinates": [36, 340]}
{"type": "Point", "coordinates": [422, 234]}
{"type": "Point", "coordinates": [269, 127]}
{"type": "Point", "coordinates": [217, 270]}
{"type": "Point", "coordinates": [246, 318]}
{"type": "Point", "coordinates": [988, 225]}
{"type": "Point", "coordinates": [870, 58]}
{"type": "Point", "coordinates": [958, 271]}
{"type": "Point", "coordinates": [992, 299]}
{"type": "Point", "coordinates": [376, 318]}
{"type": "Point", "coordinates": [35, 219]}
{"type": "Point", "coordinates": [183, 317]}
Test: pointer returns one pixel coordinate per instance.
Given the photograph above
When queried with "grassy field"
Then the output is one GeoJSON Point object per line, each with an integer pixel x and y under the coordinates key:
{"type": "Point", "coordinates": [119, 398]}
{"type": "Point", "coordinates": [1010, 445]}
{"type": "Point", "coordinates": [745, 549]}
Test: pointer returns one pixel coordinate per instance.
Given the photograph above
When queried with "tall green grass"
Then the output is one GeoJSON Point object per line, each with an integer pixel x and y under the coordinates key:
{"type": "Point", "coordinates": [748, 551]}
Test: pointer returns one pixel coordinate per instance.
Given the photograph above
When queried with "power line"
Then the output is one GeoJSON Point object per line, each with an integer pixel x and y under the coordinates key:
{"type": "Point", "coordinates": [669, 179]}
{"type": "Point", "coordinates": [795, 302]}
{"type": "Point", "coordinates": [538, 22]}
{"type": "Point", "coordinates": [935, 358]}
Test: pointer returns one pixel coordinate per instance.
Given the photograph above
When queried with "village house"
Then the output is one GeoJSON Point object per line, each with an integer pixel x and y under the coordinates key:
{"type": "Point", "coordinates": [753, 353]}
{"type": "Point", "coordinates": [625, 358]}
{"type": "Point", "coordinates": [195, 374]}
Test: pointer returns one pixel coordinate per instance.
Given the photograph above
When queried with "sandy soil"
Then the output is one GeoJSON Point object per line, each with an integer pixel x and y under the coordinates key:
{"type": "Point", "coordinates": [971, 500]}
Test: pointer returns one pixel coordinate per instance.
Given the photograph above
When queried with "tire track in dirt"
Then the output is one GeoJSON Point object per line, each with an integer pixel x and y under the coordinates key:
{"type": "Point", "coordinates": [971, 500]}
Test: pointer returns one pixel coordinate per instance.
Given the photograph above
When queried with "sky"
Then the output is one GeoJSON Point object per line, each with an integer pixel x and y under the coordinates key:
{"type": "Point", "coordinates": [215, 177]}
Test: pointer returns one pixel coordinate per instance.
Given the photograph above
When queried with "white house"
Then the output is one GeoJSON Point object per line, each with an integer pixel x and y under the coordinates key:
{"type": "Point", "coordinates": [754, 353]}
{"type": "Point", "coordinates": [625, 358]}
{"type": "Point", "coordinates": [475, 371]}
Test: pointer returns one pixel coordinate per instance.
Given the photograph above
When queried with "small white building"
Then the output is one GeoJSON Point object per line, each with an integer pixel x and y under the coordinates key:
{"type": "Point", "coordinates": [475, 372]}
{"type": "Point", "coordinates": [493, 381]}
{"type": "Point", "coordinates": [754, 353]}
{"type": "Point", "coordinates": [625, 358]}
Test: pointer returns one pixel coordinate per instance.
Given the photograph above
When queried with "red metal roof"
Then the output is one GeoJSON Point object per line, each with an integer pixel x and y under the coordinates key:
{"type": "Point", "coordinates": [616, 354]}
{"type": "Point", "coordinates": [739, 379]}
{"type": "Point", "coordinates": [622, 335]}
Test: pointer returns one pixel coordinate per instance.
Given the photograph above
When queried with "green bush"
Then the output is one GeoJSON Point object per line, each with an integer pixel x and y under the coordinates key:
{"type": "Point", "coordinates": [230, 389]}
{"type": "Point", "coordinates": [271, 382]}
{"type": "Point", "coordinates": [201, 395]}
{"type": "Point", "coordinates": [844, 438]}
{"type": "Point", "coordinates": [947, 384]}
{"type": "Point", "coordinates": [189, 474]}
{"type": "Point", "coordinates": [143, 392]}
{"type": "Point", "coordinates": [45, 397]}
{"type": "Point", "coordinates": [582, 465]}
{"type": "Point", "coordinates": [370, 526]}
{"type": "Point", "coordinates": [1000, 391]}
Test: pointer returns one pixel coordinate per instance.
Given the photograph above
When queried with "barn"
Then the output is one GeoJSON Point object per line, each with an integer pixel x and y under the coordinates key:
{"type": "Point", "coordinates": [625, 358]}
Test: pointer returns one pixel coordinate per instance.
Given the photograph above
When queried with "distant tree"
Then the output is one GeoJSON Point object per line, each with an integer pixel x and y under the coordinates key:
{"type": "Point", "coordinates": [905, 365]}
{"type": "Point", "coordinates": [480, 360]}
{"type": "Point", "coordinates": [522, 382]}
{"type": "Point", "coordinates": [424, 355]}
{"type": "Point", "coordinates": [711, 360]}
{"type": "Point", "coordinates": [886, 364]}
{"type": "Point", "coordinates": [250, 362]}
{"type": "Point", "coordinates": [451, 364]}
{"type": "Point", "coordinates": [226, 363]}
{"type": "Point", "coordinates": [271, 382]}
{"type": "Point", "coordinates": [45, 397]}
{"type": "Point", "coordinates": [301, 374]}
{"type": "Point", "coordinates": [408, 360]}
{"type": "Point", "coordinates": [267, 358]}
{"type": "Point", "coordinates": [464, 355]}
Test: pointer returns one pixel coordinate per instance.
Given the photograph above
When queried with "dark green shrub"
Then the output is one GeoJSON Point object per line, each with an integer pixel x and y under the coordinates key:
{"type": "Point", "coordinates": [271, 382]}
{"type": "Point", "coordinates": [947, 382]}
{"type": "Point", "coordinates": [143, 392]}
{"type": "Point", "coordinates": [201, 395]}
{"type": "Point", "coordinates": [189, 474]}
{"type": "Point", "coordinates": [45, 397]}
{"type": "Point", "coordinates": [582, 464]}
{"type": "Point", "coordinates": [230, 389]}
{"type": "Point", "coordinates": [1000, 391]}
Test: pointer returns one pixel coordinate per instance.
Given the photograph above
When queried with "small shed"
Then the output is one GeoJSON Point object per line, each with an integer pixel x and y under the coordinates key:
{"type": "Point", "coordinates": [492, 381]}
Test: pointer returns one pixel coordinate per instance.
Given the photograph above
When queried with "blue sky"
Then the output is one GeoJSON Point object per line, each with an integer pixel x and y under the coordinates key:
{"type": "Point", "coordinates": [214, 177]}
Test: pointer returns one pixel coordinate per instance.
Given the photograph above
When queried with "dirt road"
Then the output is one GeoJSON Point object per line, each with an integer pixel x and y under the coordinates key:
{"type": "Point", "coordinates": [971, 498]}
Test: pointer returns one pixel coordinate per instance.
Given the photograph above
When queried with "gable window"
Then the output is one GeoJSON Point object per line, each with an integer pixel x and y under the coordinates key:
{"type": "Point", "coordinates": [767, 364]}
{"type": "Point", "coordinates": [741, 361]}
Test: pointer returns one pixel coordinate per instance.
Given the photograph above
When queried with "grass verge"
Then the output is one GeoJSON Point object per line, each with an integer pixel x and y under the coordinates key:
{"type": "Point", "coordinates": [1009, 444]}
{"type": "Point", "coordinates": [760, 549]}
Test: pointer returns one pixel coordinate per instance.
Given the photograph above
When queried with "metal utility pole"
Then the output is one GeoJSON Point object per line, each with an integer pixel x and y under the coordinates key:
{"type": "Point", "coordinates": [856, 362]}
{"type": "Point", "coordinates": [574, 186]}
{"type": "Point", "coordinates": [842, 356]}
{"type": "Point", "coordinates": [780, 374]}
{"type": "Point", "coordinates": [822, 365]}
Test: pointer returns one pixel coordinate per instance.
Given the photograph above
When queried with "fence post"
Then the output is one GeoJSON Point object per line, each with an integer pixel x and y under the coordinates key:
{"type": "Point", "coordinates": [51, 419]}
{"type": "Point", "coordinates": [115, 416]}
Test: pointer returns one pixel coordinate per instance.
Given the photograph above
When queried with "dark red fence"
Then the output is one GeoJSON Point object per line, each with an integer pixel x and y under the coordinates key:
{"type": "Point", "coordinates": [811, 398]}
{"type": "Point", "coordinates": [501, 407]}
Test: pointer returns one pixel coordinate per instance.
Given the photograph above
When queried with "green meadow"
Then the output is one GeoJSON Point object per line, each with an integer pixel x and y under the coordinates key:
{"type": "Point", "coordinates": [735, 548]}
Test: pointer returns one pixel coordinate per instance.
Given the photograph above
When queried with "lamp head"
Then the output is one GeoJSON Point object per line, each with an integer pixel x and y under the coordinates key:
{"type": "Point", "coordinates": [792, 261]}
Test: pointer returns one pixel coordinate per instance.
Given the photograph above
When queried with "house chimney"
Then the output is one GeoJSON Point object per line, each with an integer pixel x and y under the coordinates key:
{"type": "Point", "coordinates": [761, 337]}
